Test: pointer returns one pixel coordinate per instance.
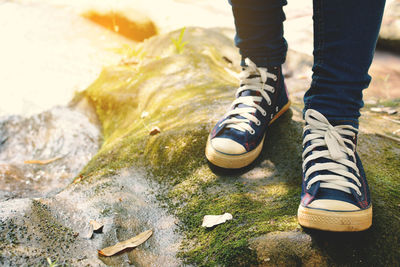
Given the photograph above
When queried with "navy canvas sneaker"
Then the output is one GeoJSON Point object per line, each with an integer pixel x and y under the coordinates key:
{"type": "Point", "coordinates": [335, 194]}
{"type": "Point", "coordinates": [237, 139]}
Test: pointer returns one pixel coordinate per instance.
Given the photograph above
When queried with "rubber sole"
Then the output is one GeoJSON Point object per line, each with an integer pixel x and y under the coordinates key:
{"type": "Point", "coordinates": [238, 161]}
{"type": "Point", "coordinates": [335, 221]}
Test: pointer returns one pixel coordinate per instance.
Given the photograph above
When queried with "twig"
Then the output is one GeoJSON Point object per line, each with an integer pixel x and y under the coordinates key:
{"type": "Point", "coordinates": [44, 162]}
{"type": "Point", "coordinates": [392, 120]}
{"type": "Point", "coordinates": [389, 137]}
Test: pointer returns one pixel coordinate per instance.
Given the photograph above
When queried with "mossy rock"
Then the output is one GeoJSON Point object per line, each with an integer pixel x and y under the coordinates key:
{"type": "Point", "coordinates": [184, 93]}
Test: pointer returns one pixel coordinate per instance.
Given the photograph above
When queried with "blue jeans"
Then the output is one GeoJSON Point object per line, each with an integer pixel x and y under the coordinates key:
{"type": "Point", "coordinates": [345, 35]}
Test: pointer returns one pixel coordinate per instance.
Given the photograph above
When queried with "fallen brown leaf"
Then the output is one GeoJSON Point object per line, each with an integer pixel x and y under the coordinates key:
{"type": "Point", "coordinates": [130, 243]}
{"type": "Point", "coordinates": [155, 130]}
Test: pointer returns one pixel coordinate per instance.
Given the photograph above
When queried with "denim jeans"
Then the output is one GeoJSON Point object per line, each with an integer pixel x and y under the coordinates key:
{"type": "Point", "coordinates": [345, 35]}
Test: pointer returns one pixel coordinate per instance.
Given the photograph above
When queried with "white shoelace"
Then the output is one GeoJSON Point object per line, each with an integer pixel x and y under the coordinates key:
{"type": "Point", "coordinates": [323, 134]}
{"type": "Point", "coordinates": [257, 84]}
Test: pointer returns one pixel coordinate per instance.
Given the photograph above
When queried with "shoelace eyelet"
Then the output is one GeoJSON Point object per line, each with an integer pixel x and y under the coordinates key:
{"type": "Point", "coordinates": [252, 132]}
{"type": "Point", "coordinates": [258, 123]}
{"type": "Point", "coordinates": [264, 113]}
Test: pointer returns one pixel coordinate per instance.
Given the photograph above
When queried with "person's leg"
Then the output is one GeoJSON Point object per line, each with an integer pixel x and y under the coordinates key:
{"type": "Point", "coordinates": [237, 139]}
{"type": "Point", "coordinates": [345, 35]}
{"type": "Point", "coordinates": [335, 194]}
{"type": "Point", "coordinates": [259, 31]}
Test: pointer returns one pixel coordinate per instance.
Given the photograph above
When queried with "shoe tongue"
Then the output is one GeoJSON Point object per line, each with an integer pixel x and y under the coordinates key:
{"type": "Point", "coordinates": [250, 92]}
{"type": "Point", "coordinates": [347, 122]}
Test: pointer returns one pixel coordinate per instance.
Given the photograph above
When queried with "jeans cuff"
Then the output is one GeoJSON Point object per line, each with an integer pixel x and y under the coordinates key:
{"type": "Point", "coordinates": [264, 61]}
{"type": "Point", "coordinates": [337, 120]}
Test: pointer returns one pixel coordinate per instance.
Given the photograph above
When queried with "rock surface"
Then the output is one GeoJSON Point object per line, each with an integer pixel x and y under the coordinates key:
{"type": "Point", "coordinates": [40, 155]}
{"type": "Point", "coordinates": [138, 181]}
{"type": "Point", "coordinates": [184, 95]}
{"type": "Point", "coordinates": [287, 249]}
{"type": "Point", "coordinates": [389, 36]}
{"type": "Point", "coordinates": [57, 228]}
{"type": "Point", "coordinates": [162, 182]}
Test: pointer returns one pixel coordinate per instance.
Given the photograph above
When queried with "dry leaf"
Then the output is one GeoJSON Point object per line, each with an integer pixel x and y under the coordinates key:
{"type": "Point", "coordinates": [41, 162]}
{"type": "Point", "coordinates": [212, 220]}
{"type": "Point", "coordinates": [155, 130]}
{"type": "Point", "coordinates": [97, 227]}
{"type": "Point", "coordinates": [130, 243]}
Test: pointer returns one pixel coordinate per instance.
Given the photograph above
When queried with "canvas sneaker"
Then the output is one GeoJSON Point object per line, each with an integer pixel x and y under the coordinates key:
{"type": "Point", "coordinates": [335, 194]}
{"type": "Point", "coordinates": [237, 139]}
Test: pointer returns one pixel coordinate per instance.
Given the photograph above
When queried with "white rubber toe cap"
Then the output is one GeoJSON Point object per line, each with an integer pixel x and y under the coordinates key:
{"type": "Point", "coordinates": [333, 205]}
{"type": "Point", "coordinates": [227, 146]}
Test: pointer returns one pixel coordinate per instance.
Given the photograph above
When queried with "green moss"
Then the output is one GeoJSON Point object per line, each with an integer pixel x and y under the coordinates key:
{"type": "Point", "coordinates": [227, 244]}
